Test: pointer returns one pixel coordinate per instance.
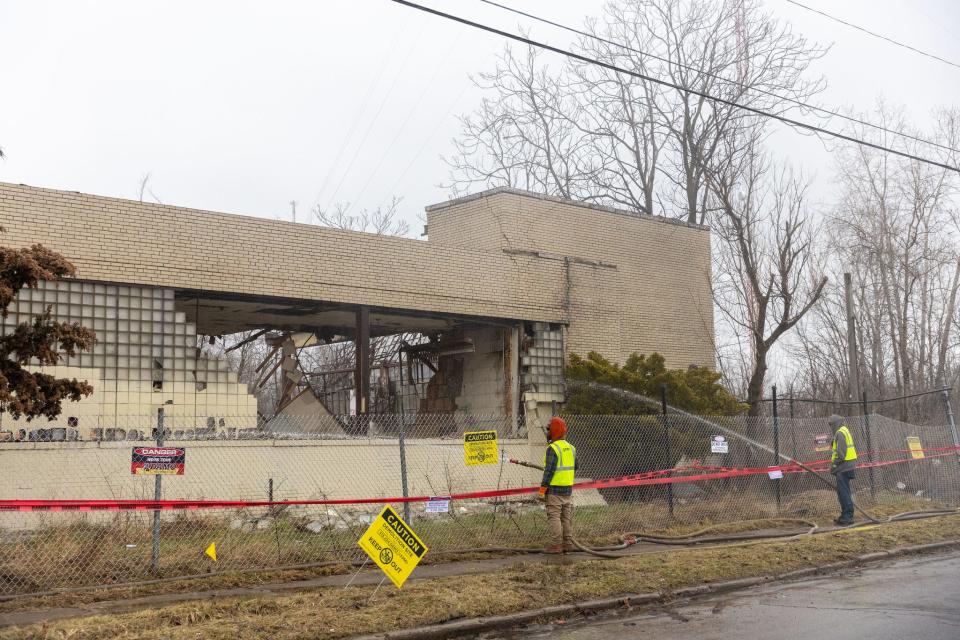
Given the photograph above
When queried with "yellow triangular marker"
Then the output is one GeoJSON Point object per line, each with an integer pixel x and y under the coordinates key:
{"type": "Point", "coordinates": [212, 551]}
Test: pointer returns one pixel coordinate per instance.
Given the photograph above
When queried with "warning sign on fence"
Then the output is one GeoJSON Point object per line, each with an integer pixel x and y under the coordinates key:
{"type": "Point", "coordinates": [153, 461]}
{"type": "Point", "coordinates": [480, 447]}
{"type": "Point", "coordinates": [822, 442]}
{"type": "Point", "coordinates": [438, 505]}
{"type": "Point", "coordinates": [916, 448]}
{"type": "Point", "coordinates": [719, 444]}
{"type": "Point", "coordinates": [393, 546]}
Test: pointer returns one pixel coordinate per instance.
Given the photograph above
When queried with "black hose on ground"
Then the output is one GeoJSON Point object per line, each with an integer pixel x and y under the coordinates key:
{"type": "Point", "coordinates": [696, 539]}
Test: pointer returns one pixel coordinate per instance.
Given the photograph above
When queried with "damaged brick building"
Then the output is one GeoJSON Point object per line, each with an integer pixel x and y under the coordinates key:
{"type": "Point", "coordinates": [506, 284]}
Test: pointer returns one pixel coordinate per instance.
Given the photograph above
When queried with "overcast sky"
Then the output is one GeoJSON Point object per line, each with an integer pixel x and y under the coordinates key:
{"type": "Point", "coordinates": [245, 106]}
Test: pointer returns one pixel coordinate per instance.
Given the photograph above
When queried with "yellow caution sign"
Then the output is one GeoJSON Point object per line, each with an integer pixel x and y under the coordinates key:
{"type": "Point", "coordinates": [393, 546]}
{"type": "Point", "coordinates": [916, 449]}
{"type": "Point", "coordinates": [480, 447]}
{"type": "Point", "coordinates": [212, 551]}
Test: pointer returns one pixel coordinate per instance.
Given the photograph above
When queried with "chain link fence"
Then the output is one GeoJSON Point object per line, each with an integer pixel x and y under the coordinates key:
{"type": "Point", "coordinates": [671, 470]}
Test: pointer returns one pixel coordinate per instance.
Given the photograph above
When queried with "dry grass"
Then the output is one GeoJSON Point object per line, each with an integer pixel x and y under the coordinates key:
{"type": "Point", "coordinates": [87, 554]}
{"type": "Point", "coordinates": [340, 612]}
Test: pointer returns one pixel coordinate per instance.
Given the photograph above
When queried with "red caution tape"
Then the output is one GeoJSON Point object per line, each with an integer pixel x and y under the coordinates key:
{"type": "Point", "coordinates": [647, 478]}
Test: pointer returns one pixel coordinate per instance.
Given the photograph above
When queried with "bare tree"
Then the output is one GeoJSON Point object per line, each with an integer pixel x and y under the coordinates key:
{"type": "Point", "coordinates": [587, 132]}
{"type": "Point", "coordinates": [580, 131]}
{"type": "Point", "coordinates": [145, 188]}
{"type": "Point", "coordinates": [767, 277]}
{"type": "Point", "coordinates": [896, 228]}
{"type": "Point", "coordinates": [382, 221]}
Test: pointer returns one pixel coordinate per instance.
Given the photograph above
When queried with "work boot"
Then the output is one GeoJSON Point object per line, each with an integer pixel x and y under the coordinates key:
{"type": "Point", "coordinates": [569, 547]}
{"type": "Point", "coordinates": [554, 548]}
{"type": "Point", "coordinates": [842, 522]}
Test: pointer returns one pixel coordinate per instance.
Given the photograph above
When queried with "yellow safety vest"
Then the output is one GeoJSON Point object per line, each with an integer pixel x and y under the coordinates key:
{"type": "Point", "coordinates": [566, 457]}
{"type": "Point", "coordinates": [851, 450]}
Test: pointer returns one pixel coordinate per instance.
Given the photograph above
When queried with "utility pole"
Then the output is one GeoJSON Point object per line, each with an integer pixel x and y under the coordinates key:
{"type": "Point", "coordinates": [854, 376]}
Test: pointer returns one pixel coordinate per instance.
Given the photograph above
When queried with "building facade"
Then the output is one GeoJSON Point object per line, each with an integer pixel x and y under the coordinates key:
{"type": "Point", "coordinates": [506, 286]}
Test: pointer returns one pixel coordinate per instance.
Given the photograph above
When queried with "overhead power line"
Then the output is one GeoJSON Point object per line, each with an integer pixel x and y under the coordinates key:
{"type": "Point", "coordinates": [874, 34]}
{"type": "Point", "coordinates": [366, 134]}
{"type": "Point", "coordinates": [799, 103]}
{"type": "Point", "coordinates": [403, 125]}
{"type": "Point", "coordinates": [427, 139]}
{"type": "Point", "coordinates": [353, 127]}
{"type": "Point", "coordinates": [665, 83]}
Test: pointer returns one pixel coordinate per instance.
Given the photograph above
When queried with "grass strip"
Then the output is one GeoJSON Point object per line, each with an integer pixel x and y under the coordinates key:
{"type": "Point", "coordinates": [343, 612]}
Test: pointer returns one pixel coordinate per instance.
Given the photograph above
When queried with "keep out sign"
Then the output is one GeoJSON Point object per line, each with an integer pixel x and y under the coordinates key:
{"type": "Point", "coordinates": [393, 546]}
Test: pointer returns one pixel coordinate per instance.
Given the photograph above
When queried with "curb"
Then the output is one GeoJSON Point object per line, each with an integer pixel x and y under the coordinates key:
{"type": "Point", "coordinates": [475, 625]}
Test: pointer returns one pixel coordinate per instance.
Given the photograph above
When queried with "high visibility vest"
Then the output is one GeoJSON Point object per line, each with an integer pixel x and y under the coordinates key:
{"type": "Point", "coordinates": [851, 450]}
{"type": "Point", "coordinates": [566, 458]}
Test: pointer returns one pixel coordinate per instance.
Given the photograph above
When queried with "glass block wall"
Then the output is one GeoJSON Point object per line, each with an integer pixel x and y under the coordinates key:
{"type": "Point", "coordinates": [541, 364]}
{"type": "Point", "coordinates": [145, 358]}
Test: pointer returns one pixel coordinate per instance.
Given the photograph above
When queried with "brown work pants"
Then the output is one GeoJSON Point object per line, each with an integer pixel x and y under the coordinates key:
{"type": "Point", "coordinates": [560, 518]}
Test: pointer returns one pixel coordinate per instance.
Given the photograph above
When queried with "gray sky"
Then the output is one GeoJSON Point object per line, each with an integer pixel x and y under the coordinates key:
{"type": "Point", "coordinates": [245, 106]}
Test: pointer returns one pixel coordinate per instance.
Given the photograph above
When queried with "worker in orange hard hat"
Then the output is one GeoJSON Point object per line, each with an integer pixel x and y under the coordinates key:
{"type": "Point", "coordinates": [556, 488]}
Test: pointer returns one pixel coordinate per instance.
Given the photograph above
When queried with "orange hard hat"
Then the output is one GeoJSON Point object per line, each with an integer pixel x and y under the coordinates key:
{"type": "Point", "coordinates": [557, 428]}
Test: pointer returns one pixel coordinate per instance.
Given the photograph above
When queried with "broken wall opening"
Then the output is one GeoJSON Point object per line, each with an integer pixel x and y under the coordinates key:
{"type": "Point", "coordinates": [309, 356]}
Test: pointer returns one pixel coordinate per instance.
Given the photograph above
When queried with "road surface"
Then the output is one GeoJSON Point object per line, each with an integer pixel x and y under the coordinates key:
{"type": "Point", "coordinates": [917, 598]}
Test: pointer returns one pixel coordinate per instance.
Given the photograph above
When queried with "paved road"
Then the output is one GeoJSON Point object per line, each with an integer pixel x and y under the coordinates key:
{"type": "Point", "coordinates": [916, 598]}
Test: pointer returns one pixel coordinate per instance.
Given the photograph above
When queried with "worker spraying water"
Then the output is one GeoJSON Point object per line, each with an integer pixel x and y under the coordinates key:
{"type": "Point", "coordinates": [556, 487]}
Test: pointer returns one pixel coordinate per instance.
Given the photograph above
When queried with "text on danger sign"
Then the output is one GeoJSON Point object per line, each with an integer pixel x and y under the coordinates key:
{"type": "Point", "coordinates": [158, 461]}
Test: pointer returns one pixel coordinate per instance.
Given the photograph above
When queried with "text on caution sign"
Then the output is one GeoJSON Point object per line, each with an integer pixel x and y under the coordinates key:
{"type": "Point", "coordinates": [393, 546]}
{"type": "Point", "coordinates": [480, 447]}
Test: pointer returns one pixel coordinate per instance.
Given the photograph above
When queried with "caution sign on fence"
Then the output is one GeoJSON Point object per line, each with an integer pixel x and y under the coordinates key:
{"type": "Point", "coordinates": [480, 447]}
{"type": "Point", "coordinates": [916, 448]}
{"type": "Point", "coordinates": [152, 461]}
{"type": "Point", "coordinates": [393, 546]}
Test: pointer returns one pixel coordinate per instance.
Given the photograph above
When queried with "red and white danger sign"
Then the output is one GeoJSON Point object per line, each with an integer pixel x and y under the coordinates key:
{"type": "Point", "coordinates": [152, 461]}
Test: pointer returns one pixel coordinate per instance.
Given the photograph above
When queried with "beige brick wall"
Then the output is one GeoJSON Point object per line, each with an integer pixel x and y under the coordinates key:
{"type": "Point", "coordinates": [623, 282]}
{"type": "Point", "coordinates": [647, 290]}
{"type": "Point", "coordinates": [123, 241]}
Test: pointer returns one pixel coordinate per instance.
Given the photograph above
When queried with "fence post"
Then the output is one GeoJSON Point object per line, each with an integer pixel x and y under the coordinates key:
{"type": "Point", "coordinates": [869, 436]}
{"type": "Point", "coordinates": [666, 437]}
{"type": "Point", "coordinates": [776, 446]}
{"type": "Point", "coordinates": [950, 420]}
{"type": "Point", "coordinates": [793, 425]}
{"type": "Point", "coordinates": [157, 486]}
{"type": "Point", "coordinates": [403, 468]}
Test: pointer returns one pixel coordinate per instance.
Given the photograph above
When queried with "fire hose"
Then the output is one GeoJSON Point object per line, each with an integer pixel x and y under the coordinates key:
{"type": "Point", "coordinates": [697, 538]}
{"type": "Point", "coordinates": [628, 539]}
